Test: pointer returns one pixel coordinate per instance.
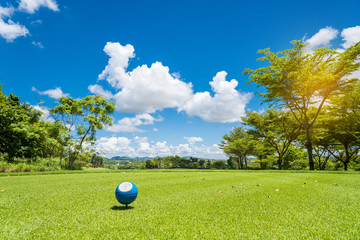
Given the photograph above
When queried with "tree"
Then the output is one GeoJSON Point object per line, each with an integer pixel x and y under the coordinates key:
{"type": "Point", "coordinates": [19, 134]}
{"type": "Point", "coordinates": [262, 150]}
{"type": "Point", "coordinates": [299, 80]}
{"type": "Point", "coordinates": [343, 126]}
{"type": "Point", "coordinates": [322, 155]}
{"type": "Point", "coordinates": [231, 163]}
{"type": "Point", "coordinates": [238, 144]}
{"type": "Point", "coordinates": [81, 118]}
{"type": "Point", "coordinates": [276, 128]}
{"type": "Point", "coordinates": [219, 164]}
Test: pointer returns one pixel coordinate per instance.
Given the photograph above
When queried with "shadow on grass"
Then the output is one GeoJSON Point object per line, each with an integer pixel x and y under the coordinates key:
{"type": "Point", "coordinates": [121, 208]}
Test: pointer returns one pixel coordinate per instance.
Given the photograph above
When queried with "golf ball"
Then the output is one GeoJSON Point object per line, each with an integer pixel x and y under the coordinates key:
{"type": "Point", "coordinates": [126, 192]}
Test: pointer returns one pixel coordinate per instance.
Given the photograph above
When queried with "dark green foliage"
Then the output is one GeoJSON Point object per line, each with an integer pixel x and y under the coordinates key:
{"type": "Point", "coordinates": [219, 164]}
{"type": "Point", "coordinates": [19, 134]}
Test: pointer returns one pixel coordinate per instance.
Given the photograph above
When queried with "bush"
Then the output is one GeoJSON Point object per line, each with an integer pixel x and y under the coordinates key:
{"type": "Point", "coordinates": [330, 165]}
{"type": "Point", "coordinates": [30, 165]}
{"type": "Point", "coordinates": [219, 164]}
{"type": "Point", "coordinates": [298, 164]}
{"type": "Point", "coordinates": [357, 167]}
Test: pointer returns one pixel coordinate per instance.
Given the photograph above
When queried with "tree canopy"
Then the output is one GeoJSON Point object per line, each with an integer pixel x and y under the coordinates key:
{"type": "Point", "coordinates": [298, 80]}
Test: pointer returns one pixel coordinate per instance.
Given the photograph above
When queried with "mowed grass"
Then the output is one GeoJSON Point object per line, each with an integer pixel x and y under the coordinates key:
{"type": "Point", "coordinates": [182, 205]}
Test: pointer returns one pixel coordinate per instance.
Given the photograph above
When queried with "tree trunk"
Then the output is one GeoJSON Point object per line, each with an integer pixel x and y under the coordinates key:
{"type": "Point", "coordinates": [240, 163]}
{"type": "Point", "coordinates": [70, 160]}
{"type": "Point", "coordinates": [309, 149]}
{"type": "Point", "coordinates": [279, 161]}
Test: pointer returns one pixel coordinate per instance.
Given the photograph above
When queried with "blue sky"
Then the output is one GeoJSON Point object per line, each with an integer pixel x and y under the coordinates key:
{"type": "Point", "coordinates": [174, 68]}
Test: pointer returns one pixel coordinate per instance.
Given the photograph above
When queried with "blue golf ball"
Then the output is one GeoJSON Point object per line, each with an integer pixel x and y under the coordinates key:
{"type": "Point", "coordinates": [126, 192]}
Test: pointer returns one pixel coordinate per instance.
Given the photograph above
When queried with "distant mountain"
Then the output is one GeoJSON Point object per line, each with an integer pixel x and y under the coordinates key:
{"type": "Point", "coordinates": [124, 158]}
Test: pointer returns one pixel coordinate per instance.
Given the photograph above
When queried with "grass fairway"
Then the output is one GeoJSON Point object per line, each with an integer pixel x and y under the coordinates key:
{"type": "Point", "coordinates": [182, 205]}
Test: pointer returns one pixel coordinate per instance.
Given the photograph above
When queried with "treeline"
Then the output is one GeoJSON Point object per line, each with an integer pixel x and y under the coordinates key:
{"type": "Point", "coordinates": [65, 141]}
{"type": "Point", "coordinates": [315, 100]}
{"type": "Point", "coordinates": [169, 162]}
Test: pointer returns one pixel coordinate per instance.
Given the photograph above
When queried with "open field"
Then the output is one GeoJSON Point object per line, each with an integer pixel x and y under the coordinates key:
{"type": "Point", "coordinates": [182, 205]}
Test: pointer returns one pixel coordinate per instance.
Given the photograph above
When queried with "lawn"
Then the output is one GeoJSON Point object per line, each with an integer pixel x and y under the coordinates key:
{"type": "Point", "coordinates": [182, 205]}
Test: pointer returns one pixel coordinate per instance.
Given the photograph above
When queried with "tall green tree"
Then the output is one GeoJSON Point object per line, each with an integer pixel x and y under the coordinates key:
{"type": "Point", "coordinates": [262, 150]}
{"type": "Point", "coordinates": [81, 118]}
{"type": "Point", "coordinates": [297, 80]}
{"type": "Point", "coordinates": [19, 136]}
{"type": "Point", "coordinates": [238, 144]}
{"type": "Point", "coordinates": [343, 125]}
{"type": "Point", "coordinates": [276, 128]}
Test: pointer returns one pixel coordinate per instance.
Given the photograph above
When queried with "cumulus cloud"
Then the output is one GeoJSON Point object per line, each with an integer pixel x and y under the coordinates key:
{"type": "Point", "coordinates": [193, 140]}
{"type": "Point", "coordinates": [350, 36]}
{"type": "Point", "coordinates": [321, 38]}
{"type": "Point", "coordinates": [141, 147]}
{"type": "Point", "coordinates": [227, 105]}
{"type": "Point", "coordinates": [52, 93]}
{"type": "Point", "coordinates": [31, 6]}
{"type": "Point", "coordinates": [144, 89]}
{"type": "Point", "coordinates": [148, 89]}
{"type": "Point", "coordinates": [114, 146]}
{"type": "Point", "coordinates": [132, 124]}
{"type": "Point", "coordinates": [99, 90]}
{"type": "Point", "coordinates": [6, 11]}
{"type": "Point", "coordinates": [11, 30]}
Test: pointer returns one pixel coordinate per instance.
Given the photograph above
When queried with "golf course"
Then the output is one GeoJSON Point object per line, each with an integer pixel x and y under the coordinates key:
{"type": "Point", "coordinates": [181, 204]}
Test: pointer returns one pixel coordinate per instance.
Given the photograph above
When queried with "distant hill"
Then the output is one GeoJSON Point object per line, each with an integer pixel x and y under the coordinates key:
{"type": "Point", "coordinates": [124, 158]}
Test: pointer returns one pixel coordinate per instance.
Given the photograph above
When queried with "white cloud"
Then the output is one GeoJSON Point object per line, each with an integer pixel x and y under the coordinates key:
{"type": "Point", "coordinates": [6, 11]}
{"type": "Point", "coordinates": [45, 113]}
{"type": "Point", "coordinates": [321, 38]}
{"type": "Point", "coordinates": [36, 22]}
{"type": "Point", "coordinates": [115, 146]}
{"type": "Point", "coordinates": [144, 89]}
{"type": "Point", "coordinates": [350, 36]}
{"type": "Point", "coordinates": [31, 6]}
{"type": "Point", "coordinates": [193, 140]}
{"type": "Point", "coordinates": [52, 93]}
{"type": "Point", "coordinates": [148, 89]}
{"type": "Point", "coordinates": [132, 124]}
{"type": "Point", "coordinates": [176, 75]}
{"type": "Point", "coordinates": [38, 44]}
{"type": "Point", "coordinates": [11, 30]}
{"type": "Point", "coordinates": [99, 90]}
{"type": "Point", "coordinates": [141, 147]}
{"type": "Point", "coordinates": [227, 105]}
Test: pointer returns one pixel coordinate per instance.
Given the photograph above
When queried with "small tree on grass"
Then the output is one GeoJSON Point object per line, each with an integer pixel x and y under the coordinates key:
{"type": "Point", "coordinates": [81, 118]}
{"type": "Point", "coordinates": [299, 80]}
{"type": "Point", "coordinates": [239, 145]}
{"type": "Point", "coordinates": [277, 129]}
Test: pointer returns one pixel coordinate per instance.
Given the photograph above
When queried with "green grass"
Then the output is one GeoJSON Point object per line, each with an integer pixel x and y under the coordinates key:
{"type": "Point", "coordinates": [181, 205]}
